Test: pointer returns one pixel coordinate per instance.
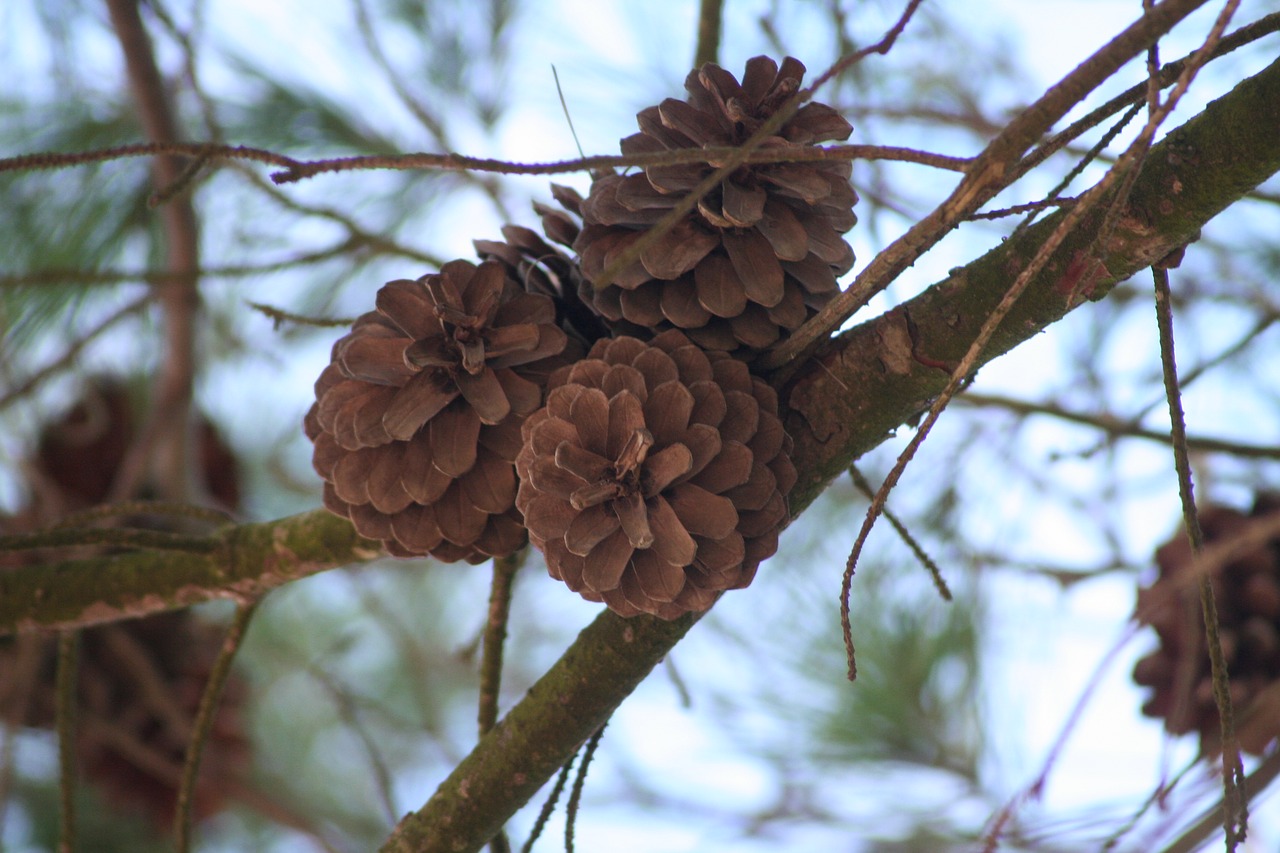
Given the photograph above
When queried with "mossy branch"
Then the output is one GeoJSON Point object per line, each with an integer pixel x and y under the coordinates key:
{"type": "Point", "coordinates": [244, 562]}
{"type": "Point", "coordinates": [868, 381]}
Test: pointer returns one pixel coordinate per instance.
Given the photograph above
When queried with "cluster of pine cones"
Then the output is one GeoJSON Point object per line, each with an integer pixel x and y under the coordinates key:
{"type": "Point", "coordinates": [1247, 596]}
{"type": "Point", "coordinates": [614, 422]}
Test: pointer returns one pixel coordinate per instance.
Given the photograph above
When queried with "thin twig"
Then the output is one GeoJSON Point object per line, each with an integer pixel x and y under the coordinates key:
{"type": "Point", "coordinates": [959, 375]}
{"type": "Point", "coordinates": [279, 316]}
{"type": "Point", "coordinates": [1118, 427]}
{"type": "Point", "coordinates": [1233, 805]}
{"type": "Point", "coordinates": [549, 806]}
{"type": "Point", "coordinates": [65, 715]}
{"type": "Point", "coordinates": [988, 174]}
{"type": "Point", "coordinates": [709, 27]}
{"type": "Point", "coordinates": [575, 796]}
{"type": "Point", "coordinates": [203, 723]}
{"type": "Point", "coordinates": [1135, 94]}
{"type": "Point", "coordinates": [681, 156]}
{"type": "Point", "coordinates": [495, 635]}
{"type": "Point", "coordinates": [905, 535]}
{"type": "Point", "coordinates": [1195, 836]}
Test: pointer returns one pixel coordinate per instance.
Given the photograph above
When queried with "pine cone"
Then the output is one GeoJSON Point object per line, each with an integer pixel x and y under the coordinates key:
{"type": "Point", "coordinates": [1247, 593]}
{"type": "Point", "coordinates": [140, 681]}
{"type": "Point", "coordinates": [417, 419]}
{"type": "Point", "coordinates": [544, 269]}
{"type": "Point", "coordinates": [656, 475]}
{"type": "Point", "coordinates": [760, 254]}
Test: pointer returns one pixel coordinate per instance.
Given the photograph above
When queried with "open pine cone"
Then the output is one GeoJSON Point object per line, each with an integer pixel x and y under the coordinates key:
{"type": "Point", "coordinates": [1247, 593]}
{"type": "Point", "coordinates": [656, 475]}
{"type": "Point", "coordinates": [542, 268]}
{"type": "Point", "coordinates": [760, 254]}
{"type": "Point", "coordinates": [417, 419]}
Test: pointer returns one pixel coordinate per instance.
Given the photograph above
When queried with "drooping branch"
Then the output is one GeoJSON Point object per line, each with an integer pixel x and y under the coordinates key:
{"type": "Point", "coordinates": [873, 379]}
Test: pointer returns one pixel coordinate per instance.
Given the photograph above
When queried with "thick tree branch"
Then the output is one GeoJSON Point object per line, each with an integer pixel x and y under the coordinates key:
{"type": "Point", "coordinates": [873, 379]}
{"type": "Point", "coordinates": [247, 561]}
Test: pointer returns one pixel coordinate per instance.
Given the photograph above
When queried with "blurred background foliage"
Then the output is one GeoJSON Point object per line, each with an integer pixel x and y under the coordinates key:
{"type": "Point", "coordinates": [362, 682]}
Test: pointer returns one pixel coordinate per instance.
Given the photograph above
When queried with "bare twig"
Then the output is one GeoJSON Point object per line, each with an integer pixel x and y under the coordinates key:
{"type": "Point", "coordinates": [905, 535]}
{"type": "Point", "coordinates": [1234, 816]}
{"type": "Point", "coordinates": [681, 156]}
{"type": "Point", "coordinates": [549, 806]}
{"type": "Point", "coordinates": [709, 26]}
{"type": "Point", "coordinates": [65, 714]}
{"type": "Point", "coordinates": [1115, 426]}
{"type": "Point", "coordinates": [1124, 172]}
{"type": "Point", "coordinates": [202, 726]}
{"type": "Point", "coordinates": [989, 173]}
{"type": "Point", "coordinates": [575, 795]}
{"type": "Point", "coordinates": [495, 636]}
{"type": "Point", "coordinates": [279, 316]}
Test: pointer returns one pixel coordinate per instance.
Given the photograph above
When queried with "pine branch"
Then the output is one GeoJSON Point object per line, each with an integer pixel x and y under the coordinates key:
{"type": "Point", "coordinates": [245, 561]}
{"type": "Point", "coordinates": [872, 379]}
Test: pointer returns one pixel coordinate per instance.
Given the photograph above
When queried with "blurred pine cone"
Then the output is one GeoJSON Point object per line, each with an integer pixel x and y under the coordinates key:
{"type": "Point", "coordinates": [760, 254]}
{"type": "Point", "coordinates": [139, 681]}
{"type": "Point", "coordinates": [1247, 593]}
{"type": "Point", "coordinates": [417, 419]}
{"type": "Point", "coordinates": [655, 476]}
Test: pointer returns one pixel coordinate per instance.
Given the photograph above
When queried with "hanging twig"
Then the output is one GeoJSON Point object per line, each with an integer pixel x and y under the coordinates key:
{"type": "Point", "coordinates": [202, 726]}
{"type": "Point", "coordinates": [575, 796]}
{"type": "Point", "coordinates": [549, 807]}
{"type": "Point", "coordinates": [1123, 174]}
{"type": "Point", "coordinates": [65, 716]}
{"type": "Point", "coordinates": [905, 535]}
{"type": "Point", "coordinates": [1234, 807]}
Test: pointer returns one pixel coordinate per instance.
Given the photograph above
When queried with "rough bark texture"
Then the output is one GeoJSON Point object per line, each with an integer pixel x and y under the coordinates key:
{"type": "Point", "coordinates": [869, 381]}
{"type": "Point", "coordinates": [247, 560]}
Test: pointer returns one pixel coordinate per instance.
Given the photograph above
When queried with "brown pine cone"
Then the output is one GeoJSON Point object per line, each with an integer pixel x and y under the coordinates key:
{"type": "Point", "coordinates": [544, 269]}
{"type": "Point", "coordinates": [417, 419]}
{"type": "Point", "coordinates": [139, 688]}
{"type": "Point", "coordinates": [656, 475]}
{"type": "Point", "coordinates": [760, 254]}
{"type": "Point", "coordinates": [1247, 593]}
